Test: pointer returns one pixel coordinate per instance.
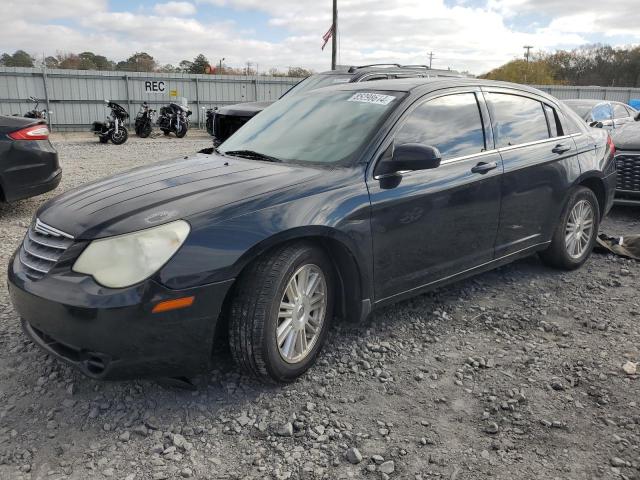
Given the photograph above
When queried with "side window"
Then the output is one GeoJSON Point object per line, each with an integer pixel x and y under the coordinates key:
{"type": "Point", "coordinates": [601, 112]}
{"type": "Point", "coordinates": [517, 119]}
{"type": "Point", "coordinates": [451, 123]}
{"type": "Point", "coordinates": [555, 128]}
{"type": "Point", "coordinates": [619, 111]}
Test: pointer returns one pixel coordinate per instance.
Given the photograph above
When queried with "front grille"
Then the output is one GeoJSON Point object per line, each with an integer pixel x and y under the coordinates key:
{"type": "Point", "coordinates": [628, 166]}
{"type": "Point", "coordinates": [42, 248]}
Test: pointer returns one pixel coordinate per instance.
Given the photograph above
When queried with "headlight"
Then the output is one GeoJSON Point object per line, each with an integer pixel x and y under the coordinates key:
{"type": "Point", "coordinates": [124, 260]}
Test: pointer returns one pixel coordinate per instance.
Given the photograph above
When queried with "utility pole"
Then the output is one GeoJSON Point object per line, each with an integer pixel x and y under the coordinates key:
{"type": "Point", "coordinates": [526, 55]}
{"type": "Point", "coordinates": [220, 69]}
{"type": "Point", "coordinates": [430, 59]}
{"type": "Point", "coordinates": [334, 36]}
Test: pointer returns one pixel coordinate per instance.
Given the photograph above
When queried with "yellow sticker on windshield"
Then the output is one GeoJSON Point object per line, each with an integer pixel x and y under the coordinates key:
{"type": "Point", "coordinates": [375, 98]}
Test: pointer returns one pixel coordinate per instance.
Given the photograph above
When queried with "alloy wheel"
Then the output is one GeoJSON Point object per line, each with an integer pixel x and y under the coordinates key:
{"type": "Point", "coordinates": [301, 313]}
{"type": "Point", "coordinates": [579, 230]}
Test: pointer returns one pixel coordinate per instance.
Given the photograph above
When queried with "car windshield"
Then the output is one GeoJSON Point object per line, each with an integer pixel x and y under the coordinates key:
{"type": "Point", "coordinates": [317, 81]}
{"type": "Point", "coordinates": [322, 127]}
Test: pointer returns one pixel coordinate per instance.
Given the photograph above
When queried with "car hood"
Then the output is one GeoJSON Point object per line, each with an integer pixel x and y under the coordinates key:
{"type": "Point", "coordinates": [166, 191]}
{"type": "Point", "coordinates": [627, 137]}
{"type": "Point", "coordinates": [249, 109]}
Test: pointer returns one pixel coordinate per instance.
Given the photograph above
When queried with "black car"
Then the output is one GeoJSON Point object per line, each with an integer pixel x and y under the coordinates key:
{"type": "Point", "coordinates": [28, 162]}
{"type": "Point", "coordinates": [603, 113]}
{"type": "Point", "coordinates": [328, 204]}
{"type": "Point", "coordinates": [225, 121]}
{"type": "Point", "coordinates": [627, 142]}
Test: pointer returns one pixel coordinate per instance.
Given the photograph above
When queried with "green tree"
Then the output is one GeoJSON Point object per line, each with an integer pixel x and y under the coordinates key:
{"type": "Point", "coordinates": [138, 62]}
{"type": "Point", "coordinates": [199, 64]}
{"type": "Point", "coordinates": [20, 58]}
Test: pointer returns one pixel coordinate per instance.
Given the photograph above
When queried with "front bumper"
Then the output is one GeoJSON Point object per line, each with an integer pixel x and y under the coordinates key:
{"type": "Point", "coordinates": [112, 333]}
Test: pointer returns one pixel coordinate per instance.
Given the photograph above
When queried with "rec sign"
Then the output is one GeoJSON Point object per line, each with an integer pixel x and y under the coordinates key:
{"type": "Point", "coordinates": [154, 86]}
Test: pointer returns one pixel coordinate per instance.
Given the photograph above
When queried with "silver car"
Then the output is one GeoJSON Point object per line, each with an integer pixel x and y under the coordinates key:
{"type": "Point", "coordinates": [603, 113]}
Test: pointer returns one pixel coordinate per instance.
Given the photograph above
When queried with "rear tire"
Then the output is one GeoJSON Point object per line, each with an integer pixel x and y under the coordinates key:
{"type": "Point", "coordinates": [576, 233]}
{"type": "Point", "coordinates": [275, 334]}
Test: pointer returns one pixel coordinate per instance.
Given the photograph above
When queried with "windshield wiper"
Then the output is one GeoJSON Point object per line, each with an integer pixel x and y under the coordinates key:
{"type": "Point", "coordinates": [251, 155]}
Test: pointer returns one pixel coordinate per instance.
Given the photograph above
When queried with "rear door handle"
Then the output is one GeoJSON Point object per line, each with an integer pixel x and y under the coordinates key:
{"type": "Point", "coordinates": [561, 148]}
{"type": "Point", "coordinates": [483, 167]}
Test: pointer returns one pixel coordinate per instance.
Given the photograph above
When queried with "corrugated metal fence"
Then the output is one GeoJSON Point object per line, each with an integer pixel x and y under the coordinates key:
{"type": "Point", "coordinates": [618, 94]}
{"type": "Point", "coordinates": [76, 97]}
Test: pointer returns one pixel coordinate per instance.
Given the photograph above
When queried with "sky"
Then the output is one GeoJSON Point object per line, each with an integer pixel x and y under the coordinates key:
{"type": "Point", "coordinates": [466, 35]}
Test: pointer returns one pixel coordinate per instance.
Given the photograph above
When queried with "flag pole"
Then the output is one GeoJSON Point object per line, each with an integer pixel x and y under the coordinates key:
{"type": "Point", "coordinates": [334, 37]}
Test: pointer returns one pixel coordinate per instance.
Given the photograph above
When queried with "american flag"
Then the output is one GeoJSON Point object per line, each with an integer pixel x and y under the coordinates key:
{"type": "Point", "coordinates": [327, 36]}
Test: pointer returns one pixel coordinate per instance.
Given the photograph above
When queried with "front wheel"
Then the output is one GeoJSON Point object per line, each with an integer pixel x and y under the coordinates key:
{"type": "Point", "coordinates": [182, 132]}
{"type": "Point", "coordinates": [281, 311]}
{"type": "Point", "coordinates": [119, 137]}
{"type": "Point", "coordinates": [145, 130]}
{"type": "Point", "coordinates": [576, 233]}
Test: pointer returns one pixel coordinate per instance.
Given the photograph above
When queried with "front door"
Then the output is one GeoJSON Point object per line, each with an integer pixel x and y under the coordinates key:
{"type": "Point", "coordinates": [429, 225]}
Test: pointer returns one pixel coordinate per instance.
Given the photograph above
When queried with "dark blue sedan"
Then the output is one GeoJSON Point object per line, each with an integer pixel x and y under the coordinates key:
{"type": "Point", "coordinates": [327, 205]}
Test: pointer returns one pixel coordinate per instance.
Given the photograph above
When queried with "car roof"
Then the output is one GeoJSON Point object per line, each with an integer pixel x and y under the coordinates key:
{"type": "Point", "coordinates": [434, 83]}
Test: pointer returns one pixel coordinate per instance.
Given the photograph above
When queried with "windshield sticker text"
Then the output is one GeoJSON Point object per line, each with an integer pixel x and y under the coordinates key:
{"type": "Point", "coordinates": [375, 98]}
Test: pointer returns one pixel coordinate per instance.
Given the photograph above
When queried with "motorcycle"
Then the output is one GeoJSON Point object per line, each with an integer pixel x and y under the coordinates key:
{"type": "Point", "coordinates": [144, 121]}
{"type": "Point", "coordinates": [35, 113]}
{"type": "Point", "coordinates": [113, 128]}
{"type": "Point", "coordinates": [174, 118]}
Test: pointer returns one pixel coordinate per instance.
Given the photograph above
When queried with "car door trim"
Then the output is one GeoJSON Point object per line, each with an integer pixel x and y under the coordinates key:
{"type": "Point", "coordinates": [462, 272]}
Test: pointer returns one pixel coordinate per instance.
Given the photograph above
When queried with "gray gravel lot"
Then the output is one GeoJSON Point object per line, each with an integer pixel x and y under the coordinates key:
{"type": "Point", "coordinates": [516, 373]}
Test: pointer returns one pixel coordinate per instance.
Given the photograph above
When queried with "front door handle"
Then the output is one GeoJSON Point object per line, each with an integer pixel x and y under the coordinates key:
{"type": "Point", "coordinates": [483, 167]}
{"type": "Point", "coordinates": [561, 148]}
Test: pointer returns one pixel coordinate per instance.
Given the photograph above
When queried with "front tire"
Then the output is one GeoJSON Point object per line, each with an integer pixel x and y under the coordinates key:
{"type": "Point", "coordinates": [576, 233]}
{"type": "Point", "coordinates": [281, 312]}
{"type": "Point", "coordinates": [120, 137]}
{"type": "Point", "coordinates": [145, 130]}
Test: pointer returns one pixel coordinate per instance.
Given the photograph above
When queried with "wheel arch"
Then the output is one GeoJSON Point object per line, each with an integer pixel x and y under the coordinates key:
{"type": "Point", "coordinates": [351, 274]}
{"type": "Point", "coordinates": [596, 184]}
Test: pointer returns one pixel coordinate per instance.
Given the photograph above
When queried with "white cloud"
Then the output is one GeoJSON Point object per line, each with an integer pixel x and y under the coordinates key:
{"type": "Point", "coordinates": [180, 9]}
{"type": "Point", "coordinates": [462, 36]}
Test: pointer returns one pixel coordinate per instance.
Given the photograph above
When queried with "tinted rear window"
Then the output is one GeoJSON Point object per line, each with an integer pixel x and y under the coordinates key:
{"type": "Point", "coordinates": [517, 119]}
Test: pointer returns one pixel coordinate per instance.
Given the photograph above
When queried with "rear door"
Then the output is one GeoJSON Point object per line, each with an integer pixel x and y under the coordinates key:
{"type": "Point", "coordinates": [429, 225]}
{"type": "Point", "coordinates": [537, 157]}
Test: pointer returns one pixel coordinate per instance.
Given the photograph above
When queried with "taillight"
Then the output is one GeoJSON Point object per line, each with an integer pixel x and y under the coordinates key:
{"type": "Point", "coordinates": [611, 145]}
{"type": "Point", "coordinates": [33, 132]}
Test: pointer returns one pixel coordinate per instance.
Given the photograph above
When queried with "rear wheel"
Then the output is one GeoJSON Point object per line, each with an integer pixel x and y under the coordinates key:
{"type": "Point", "coordinates": [576, 233]}
{"type": "Point", "coordinates": [281, 311]}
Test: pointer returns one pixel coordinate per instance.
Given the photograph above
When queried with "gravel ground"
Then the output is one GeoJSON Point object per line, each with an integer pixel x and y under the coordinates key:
{"type": "Point", "coordinates": [516, 373]}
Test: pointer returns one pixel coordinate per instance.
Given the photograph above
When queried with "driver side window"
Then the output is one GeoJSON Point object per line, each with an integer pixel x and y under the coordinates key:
{"type": "Point", "coordinates": [451, 123]}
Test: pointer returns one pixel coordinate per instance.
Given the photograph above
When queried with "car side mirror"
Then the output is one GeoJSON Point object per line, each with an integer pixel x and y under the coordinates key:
{"type": "Point", "coordinates": [637, 117]}
{"type": "Point", "coordinates": [596, 124]}
{"type": "Point", "coordinates": [409, 156]}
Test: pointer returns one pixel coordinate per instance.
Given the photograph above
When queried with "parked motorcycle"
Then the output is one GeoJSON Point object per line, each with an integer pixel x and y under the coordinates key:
{"type": "Point", "coordinates": [174, 118]}
{"type": "Point", "coordinates": [144, 121]}
{"type": "Point", "coordinates": [35, 113]}
{"type": "Point", "coordinates": [113, 128]}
